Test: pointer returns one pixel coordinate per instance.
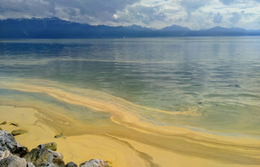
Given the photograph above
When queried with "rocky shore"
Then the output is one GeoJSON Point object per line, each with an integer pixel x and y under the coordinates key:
{"type": "Point", "coordinates": [12, 154]}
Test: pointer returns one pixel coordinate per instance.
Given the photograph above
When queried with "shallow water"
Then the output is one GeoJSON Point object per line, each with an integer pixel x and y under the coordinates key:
{"type": "Point", "coordinates": [194, 97]}
{"type": "Point", "coordinates": [211, 83]}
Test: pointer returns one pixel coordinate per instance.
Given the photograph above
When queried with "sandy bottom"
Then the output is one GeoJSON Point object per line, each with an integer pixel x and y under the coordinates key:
{"type": "Point", "coordinates": [118, 151]}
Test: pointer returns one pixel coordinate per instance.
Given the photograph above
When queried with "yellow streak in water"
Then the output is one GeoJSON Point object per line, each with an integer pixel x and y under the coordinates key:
{"type": "Point", "coordinates": [126, 114]}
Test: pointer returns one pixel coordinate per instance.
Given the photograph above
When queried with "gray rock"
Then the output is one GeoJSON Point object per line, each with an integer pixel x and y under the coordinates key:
{"type": "Point", "coordinates": [71, 164]}
{"type": "Point", "coordinates": [7, 142]}
{"type": "Point", "coordinates": [3, 123]}
{"type": "Point", "coordinates": [4, 154]}
{"type": "Point", "coordinates": [18, 132]}
{"type": "Point", "coordinates": [44, 156]}
{"type": "Point", "coordinates": [94, 163]}
{"type": "Point", "coordinates": [49, 164]}
{"type": "Point", "coordinates": [52, 146]}
{"type": "Point", "coordinates": [38, 156]}
{"type": "Point", "coordinates": [29, 164]}
{"type": "Point", "coordinates": [57, 159]}
{"type": "Point", "coordinates": [13, 161]}
{"type": "Point", "coordinates": [21, 151]}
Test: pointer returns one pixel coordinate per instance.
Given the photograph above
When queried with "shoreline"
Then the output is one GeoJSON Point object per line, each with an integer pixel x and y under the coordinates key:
{"type": "Point", "coordinates": [74, 148]}
{"type": "Point", "coordinates": [118, 151]}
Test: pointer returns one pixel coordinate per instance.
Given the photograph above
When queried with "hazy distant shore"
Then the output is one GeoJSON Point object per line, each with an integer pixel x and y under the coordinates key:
{"type": "Point", "coordinates": [55, 28]}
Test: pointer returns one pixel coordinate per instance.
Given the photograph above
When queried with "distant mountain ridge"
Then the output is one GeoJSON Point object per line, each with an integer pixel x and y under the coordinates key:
{"type": "Point", "coordinates": [175, 28]}
{"type": "Point", "coordinates": [58, 28]}
{"type": "Point", "coordinates": [223, 29]}
{"type": "Point", "coordinates": [137, 27]}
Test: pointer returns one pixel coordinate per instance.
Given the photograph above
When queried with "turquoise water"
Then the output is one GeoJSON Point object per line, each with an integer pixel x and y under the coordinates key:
{"type": "Point", "coordinates": [216, 77]}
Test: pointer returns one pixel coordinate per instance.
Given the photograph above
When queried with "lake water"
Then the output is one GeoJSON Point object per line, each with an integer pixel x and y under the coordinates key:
{"type": "Point", "coordinates": [209, 83]}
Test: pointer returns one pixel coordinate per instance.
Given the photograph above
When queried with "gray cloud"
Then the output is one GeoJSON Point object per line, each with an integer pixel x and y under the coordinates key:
{"type": "Point", "coordinates": [146, 14]}
{"type": "Point", "coordinates": [217, 18]}
{"type": "Point", "coordinates": [227, 2]}
{"type": "Point", "coordinates": [194, 14]}
{"type": "Point", "coordinates": [192, 5]}
{"type": "Point", "coordinates": [141, 14]}
{"type": "Point", "coordinates": [24, 8]}
{"type": "Point", "coordinates": [258, 20]}
{"type": "Point", "coordinates": [235, 17]}
{"type": "Point", "coordinates": [92, 9]}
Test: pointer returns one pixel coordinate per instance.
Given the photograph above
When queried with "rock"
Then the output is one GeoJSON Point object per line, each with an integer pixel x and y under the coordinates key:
{"type": "Point", "coordinates": [13, 161]}
{"type": "Point", "coordinates": [7, 142]}
{"type": "Point", "coordinates": [21, 151]}
{"type": "Point", "coordinates": [4, 154]}
{"type": "Point", "coordinates": [44, 157]}
{"type": "Point", "coordinates": [18, 132]}
{"type": "Point", "coordinates": [60, 135]}
{"type": "Point", "coordinates": [71, 164]}
{"type": "Point", "coordinates": [3, 123]}
{"type": "Point", "coordinates": [94, 163]}
{"type": "Point", "coordinates": [38, 156]}
{"type": "Point", "coordinates": [57, 158]}
{"type": "Point", "coordinates": [52, 146]}
{"type": "Point", "coordinates": [49, 164]}
{"type": "Point", "coordinates": [14, 124]}
{"type": "Point", "coordinates": [29, 164]}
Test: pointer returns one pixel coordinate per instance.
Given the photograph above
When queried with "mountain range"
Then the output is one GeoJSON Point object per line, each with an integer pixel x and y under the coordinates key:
{"type": "Point", "coordinates": [57, 28]}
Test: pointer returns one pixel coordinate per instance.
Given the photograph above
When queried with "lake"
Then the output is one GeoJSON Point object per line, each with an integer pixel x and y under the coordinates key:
{"type": "Point", "coordinates": [209, 86]}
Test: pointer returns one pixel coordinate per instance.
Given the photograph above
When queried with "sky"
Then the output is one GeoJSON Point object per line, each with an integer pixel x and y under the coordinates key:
{"type": "Point", "coordinates": [194, 14]}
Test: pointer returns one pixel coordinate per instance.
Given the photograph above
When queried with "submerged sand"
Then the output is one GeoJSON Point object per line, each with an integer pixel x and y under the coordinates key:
{"type": "Point", "coordinates": [119, 151]}
{"type": "Point", "coordinates": [125, 139]}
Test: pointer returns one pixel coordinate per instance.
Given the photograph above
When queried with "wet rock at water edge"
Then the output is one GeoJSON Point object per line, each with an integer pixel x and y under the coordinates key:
{"type": "Point", "coordinates": [94, 163]}
{"type": "Point", "coordinates": [14, 124]}
{"type": "Point", "coordinates": [13, 161]}
{"type": "Point", "coordinates": [57, 158]}
{"type": "Point", "coordinates": [29, 164]}
{"type": "Point", "coordinates": [12, 154]}
{"type": "Point", "coordinates": [71, 164]}
{"type": "Point", "coordinates": [47, 165]}
{"type": "Point", "coordinates": [3, 123]}
{"type": "Point", "coordinates": [52, 146]}
{"type": "Point", "coordinates": [18, 132]}
{"type": "Point", "coordinates": [60, 135]}
{"type": "Point", "coordinates": [7, 141]}
{"type": "Point", "coordinates": [44, 157]}
{"type": "Point", "coordinates": [4, 154]}
{"type": "Point", "coordinates": [21, 150]}
{"type": "Point", "coordinates": [39, 156]}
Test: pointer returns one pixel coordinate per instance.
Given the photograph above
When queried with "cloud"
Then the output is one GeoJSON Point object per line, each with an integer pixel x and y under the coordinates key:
{"type": "Point", "coordinates": [227, 2]}
{"type": "Point", "coordinates": [235, 17]}
{"type": "Point", "coordinates": [194, 14]}
{"type": "Point", "coordinates": [192, 5]}
{"type": "Point", "coordinates": [16, 8]}
{"type": "Point", "coordinates": [143, 14]}
{"type": "Point", "coordinates": [217, 18]}
{"type": "Point", "coordinates": [77, 9]}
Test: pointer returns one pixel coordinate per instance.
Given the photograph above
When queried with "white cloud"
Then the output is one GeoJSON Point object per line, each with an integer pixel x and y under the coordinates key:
{"type": "Point", "coordinates": [195, 14]}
